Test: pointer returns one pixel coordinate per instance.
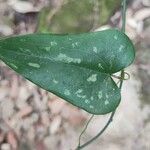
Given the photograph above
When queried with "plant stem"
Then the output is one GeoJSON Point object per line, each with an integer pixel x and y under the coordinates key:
{"type": "Point", "coordinates": [99, 134]}
{"type": "Point", "coordinates": [84, 131]}
{"type": "Point", "coordinates": [120, 86]}
{"type": "Point", "coordinates": [124, 7]}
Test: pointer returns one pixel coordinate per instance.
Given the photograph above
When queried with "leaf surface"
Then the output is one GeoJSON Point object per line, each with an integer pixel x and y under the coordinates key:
{"type": "Point", "coordinates": [76, 67]}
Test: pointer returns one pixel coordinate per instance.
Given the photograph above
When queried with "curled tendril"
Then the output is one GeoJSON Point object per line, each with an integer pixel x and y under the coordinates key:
{"type": "Point", "coordinates": [122, 78]}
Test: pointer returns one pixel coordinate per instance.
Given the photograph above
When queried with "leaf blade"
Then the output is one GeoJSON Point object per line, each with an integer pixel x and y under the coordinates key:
{"type": "Point", "coordinates": [76, 65]}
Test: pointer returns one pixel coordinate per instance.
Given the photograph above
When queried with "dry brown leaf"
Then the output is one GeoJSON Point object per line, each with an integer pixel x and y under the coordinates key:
{"type": "Point", "coordinates": [73, 115]}
{"type": "Point", "coordinates": [14, 88]}
{"type": "Point", "coordinates": [45, 119]}
{"type": "Point", "coordinates": [25, 111]}
{"type": "Point", "coordinates": [2, 135]}
{"type": "Point", "coordinates": [55, 125]}
{"type": "Point", "coordinates": [12, 140]}
{"type": "Point", "coordinates": [56, 106]}
{"type": "Point", "coordinates": [142, 14]}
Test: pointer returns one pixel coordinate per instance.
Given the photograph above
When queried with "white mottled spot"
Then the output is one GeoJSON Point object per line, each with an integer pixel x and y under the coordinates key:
{"type": "Point", "coordinates": [67, 59]}
{"type": "Point", "coordinates": [106, 102]}
{"type": "Point", "coordinates": [92, 98]}
{"type": "Point", "coordinates": [126, 58]}
{"type": "Point", "coordinates": [53, 43]}
{"type": "Point", "coordinates": [48, 48]}
{"type": "Point", "coordinates": [35, 65]}
{"type": "Point", "coordinates": [62, 48]}
{"type": "Point", "coordinates": [79, 91]}
{"type": "Point", "coordinates": [121, 48]}
{"type": "Point", "coordinates": [107, 96]}
{"type": "Point", "coordinates": [113, 56]}
{"type": "Point", "coordinates": [55, 81]}
{"type": "Point", "coordinates": [22, 40]}
{"type": "Point", "coordinates": [13, 65]}
{"type": "Point", "coordinates": [91, 106]}
{"type": "Point", "coordinates": [100, 94]}
{"type": "Point", "coordinates": [67, 92]}
{"type": "Point", "coordinates": [100, 66]}
{"type": "Point", "coordinates": [87, 101]}
{"type": "Point", "coordinates": [95, 49]}
{"type": "Point", "coordinates": [81, 96]}
{"type": "Point", "coordinates": [92, 78]}
{"type": "Point", "coordinates": [21, 49]}
{"type": "Point", "coordinates": [27, 50]}
{"type": "Point", "coordinates": [24, 50]}
{"type": "Point", "coordinates": [75, 44]}
{"type": "Point", "coordinates": [115, 37]}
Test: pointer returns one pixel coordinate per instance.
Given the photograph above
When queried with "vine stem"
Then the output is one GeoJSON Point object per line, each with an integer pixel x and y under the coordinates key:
{"type": "Point", "coordinates": [84, 131]}
{"type": "Point", "coordinates": [124, 5]}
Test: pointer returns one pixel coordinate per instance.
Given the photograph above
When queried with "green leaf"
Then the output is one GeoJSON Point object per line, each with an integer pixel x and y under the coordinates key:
{"type": "Point", "coordinates": [76, 67]}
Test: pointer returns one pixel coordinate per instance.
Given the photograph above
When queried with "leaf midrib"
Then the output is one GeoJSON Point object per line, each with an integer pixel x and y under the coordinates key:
{"type": "Point", "coordinates": [47, 58]}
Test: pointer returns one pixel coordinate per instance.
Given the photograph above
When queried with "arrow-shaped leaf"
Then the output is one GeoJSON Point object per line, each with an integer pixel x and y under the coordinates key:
{"type": "Point", "coordinates": [77, 67]}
